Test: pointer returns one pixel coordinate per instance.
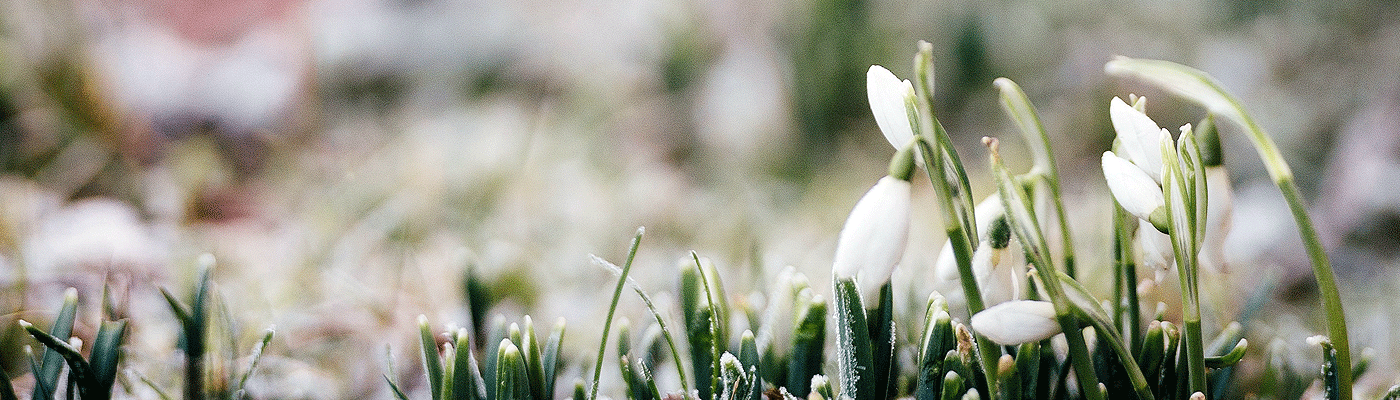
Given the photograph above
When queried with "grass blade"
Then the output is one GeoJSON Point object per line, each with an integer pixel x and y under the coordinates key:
{"type": "Point", "coordinates": [46, 374]}
{"type": "Point", "coordinates": [612, 309]}
{"type": "Point", "coordinates": [432, 362]}
{"type": "Point", "coordinates": [466, 376]}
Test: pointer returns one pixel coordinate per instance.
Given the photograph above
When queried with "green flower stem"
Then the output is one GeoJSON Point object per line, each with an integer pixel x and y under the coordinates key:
{"type": "Point", "coordinates": [1123, 245]}
{"type": "Point", "coordinates": [607, 323]}
{"type": "Point", "coordinates": [1180, 192]}
{"type": "Point", "coordinates": [1020, 109]}
{"type": "Point", "coordinates": [1200, 87]}
{"type": "Point", "coordinates": [958, 219]}
{"type": "Point", "coordinates": [1091, 311]}
{"type": "Point", "coordinates": [1033, 242]}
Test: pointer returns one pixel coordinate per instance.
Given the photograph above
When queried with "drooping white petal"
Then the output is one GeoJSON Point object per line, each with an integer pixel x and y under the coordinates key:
{"type": "Point", "coordinates": [1155, 249]}
{"type": "Point", "coordinates": [946, 268]}
{"type": "Point", "coordinates": [889, 98]}
{"type": "Point", "coordinates": [986, 212]}
{"type": "Point", "coordinates": [999, 272]}
{"type": "Point", "coordinates": [1218, 210]}
{"type": "Point", "coordinates": [1134, 190]}
{"type": "Point", "coordinates": [873, 240]}
{"type": "Point", "coordinates": [1139, 135]}
{"type": "Point", "coordinates": [1017, 322]}
{"type": "Point", "coordinates": [989, 210]}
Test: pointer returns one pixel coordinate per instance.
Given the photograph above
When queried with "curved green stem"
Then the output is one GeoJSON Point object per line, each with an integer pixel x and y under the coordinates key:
{"type": "Point", "coordinates": [1023, 224]}
{"type": "Point", "coordinates": [607, 323]}
{"type": "Point", "coordinates": [1020, 109]}
{"type": "Point", "coordinates": [940, 158]}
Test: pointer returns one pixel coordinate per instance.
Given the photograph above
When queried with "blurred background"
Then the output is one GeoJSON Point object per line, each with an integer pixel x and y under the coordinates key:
{"type": "Point", "coordinates": [350, 161]}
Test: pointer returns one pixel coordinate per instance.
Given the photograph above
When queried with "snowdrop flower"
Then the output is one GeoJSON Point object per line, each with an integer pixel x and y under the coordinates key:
{"type": "Point", "coordinates": [1155, 250]}
{"type": "Point", "coordinates": [1016, 322]}
{"type": "Point", "coordinates": [990, 213]}
{"type": "Point", "coordinates": [1140, 137]}
{"type": "Point", "coordinates": [1133, 188]}
{"type": "Point", "coordinates": [891, 100]}
{"type": "Point", "coordinates": [999, 272]}
{"type": "Point", "coordinates": [873, 240]}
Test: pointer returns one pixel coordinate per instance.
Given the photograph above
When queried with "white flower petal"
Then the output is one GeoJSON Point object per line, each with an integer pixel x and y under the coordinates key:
{"type": "Point", "coordinates": [946, 268]}
{"type": "Point", "coordinates": [990, 209]}
{"type": "Point", "coordinates": [987, 211]}
{"type": "Point", "coordinates": [1155, 248]}
{"type": "Point", "coordinates": [873, 240]}
{"type": "Point", "coordinates": [888, 98]}
{"type": "Point", "coordinates": [1133, 188]}
{"type": "Point", "coordinates": [1016, 322]}
{"type": "Point", "coordinates": [999, 273]}
{"type": "Point", "coordinates": [1138, 133]}
{"type": "Point", "coordinates": [1218, 209]}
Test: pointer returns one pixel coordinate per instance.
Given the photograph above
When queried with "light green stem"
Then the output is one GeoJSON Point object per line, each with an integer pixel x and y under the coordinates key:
{"type": "Point", "coordinates": [607, 323]}
{"type": "Point", "coordinates": [1033, 243]}
{"type": "Point", "coordinates": [958, 219]}
{"type": "Point", "coordinates": [1019, 107]}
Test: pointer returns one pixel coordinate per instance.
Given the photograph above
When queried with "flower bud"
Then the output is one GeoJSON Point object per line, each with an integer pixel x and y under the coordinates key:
{"type": "Point", "coordinates": [890, 100]}
{"type": "Point", "coordinates": [1139, 136]}
{"type": "Point", "coordinates": [1016, 322]}
{"type": "Point", "coordinates": [873, 240]}
{"type": "Point", "coordinates": [1131, 186]}
{"type": "Point", "coordinates": [1156, 250]}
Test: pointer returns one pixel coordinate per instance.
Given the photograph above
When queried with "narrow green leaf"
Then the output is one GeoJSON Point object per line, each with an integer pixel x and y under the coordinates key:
{"type": "Point", "coordinates": [952, 386]}
{"type": "Point", "coordinates": [466, 377]}
{"type": "Point", "coordinates": [882, 339]}
{"type": "Point", "coordinates": [449, 370]}
{"type": "Point", "coordinates": [808, 340]}
{"type": "Point", "coordinates": [1229, 359]}
{"type": "Point", "coordinates": [748, 350]}
{"type": "Point", "coordinates": [79, 368]}
{"type": "Point", "coordinates": [579, 392]}
{"type": "Point", "coordinates": [853, 347]}
{"type": "Point", "coordinates": [511, 380]}
{"type": "Point", "coordinates": [550, 357]}
{"type": "Point", "coordinates": [51, 365]}
{"type": "Point", "coordinates": [7, 390]}
{"type": "Point", "coordinates": [432, 362]}
{"type": "Point", "coordinates": [534, 365]}
{"type": "Point", "coordinates": [398, 393]}
{"type": "Point", "coordinates": [612, 309]}
{"type": "Point", "coordinates": [496, 334]}
{"type": "Point", "coordinates": [1028, 365]}
{"type": "Point", "coordinates": [106, 353]}
{"type": "Point", "coordinates": [254, 358]}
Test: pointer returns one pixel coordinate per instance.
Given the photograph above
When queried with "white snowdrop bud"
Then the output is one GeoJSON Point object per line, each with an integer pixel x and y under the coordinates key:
{"type": "Point", "coordinates": [889, 100]}
{"type": "Point", "coordinates": [1017, 322]}
{"type": "Point", "coordinates": [1155, 249]}
{"type": "Point", "coordinates": [1133, 188]}
{"type": "Point", "coordinates": [873, 240]}
{"type": "Point", "coordinates": [1139, 136]}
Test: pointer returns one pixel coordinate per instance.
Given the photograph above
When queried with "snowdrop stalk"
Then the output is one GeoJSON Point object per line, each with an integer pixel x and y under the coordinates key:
{"type": "Point", "coordinates": [1020, 109]}
{"type": "Point", "coordinates": [1024, 226]}
{"type": "Point", "coordinates": [954, 195]}
{"type": "Point", "coordinates": [1202, 88]}
{"type": "Point", "coordinates": [1183, 185]}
